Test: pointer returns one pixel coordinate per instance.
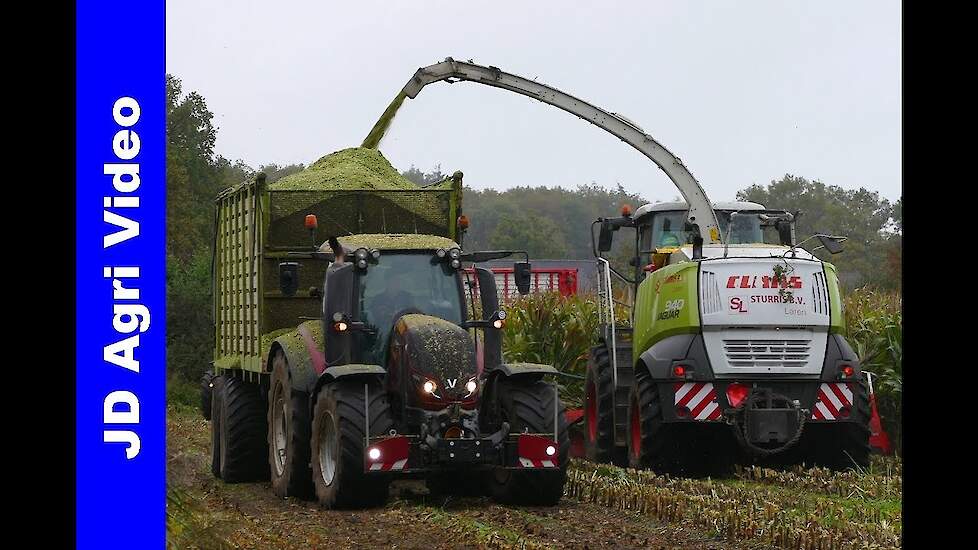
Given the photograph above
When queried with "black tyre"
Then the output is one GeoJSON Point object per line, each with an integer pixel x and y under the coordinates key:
{"type": "Point", "coordinates": [529, 407]}
{"type": "Point", "coordinates": [648, 446]}
{"type": "Point", "coordinates": [338, 430]}
{"type": "Point", "coordinates": [217, 393]}
{"type": "Point", "coordinates": [599, 404]}
{"type": "Point", "coordinates": [687, 448]}
{"type": "Point", "coordinates": [842, 445]}
{"type": "Point", "coordinates": [243, 453]}
{"type": "Point", "coordinates": [206, 393]}
{"type": "Point", "coordinates": [288, 433]}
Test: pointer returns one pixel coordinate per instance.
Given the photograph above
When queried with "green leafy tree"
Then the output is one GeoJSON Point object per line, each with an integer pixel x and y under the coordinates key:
{"type": "Point", "coordinates": [540, 237]}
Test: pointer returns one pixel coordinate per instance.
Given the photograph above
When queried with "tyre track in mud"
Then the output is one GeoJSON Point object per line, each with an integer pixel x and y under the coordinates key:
{"type": "Point", "coordinates": [206, 513]}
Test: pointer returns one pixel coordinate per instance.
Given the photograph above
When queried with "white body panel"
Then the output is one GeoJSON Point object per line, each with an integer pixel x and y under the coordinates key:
{"type": "Point", "coordinates": [754, 324]}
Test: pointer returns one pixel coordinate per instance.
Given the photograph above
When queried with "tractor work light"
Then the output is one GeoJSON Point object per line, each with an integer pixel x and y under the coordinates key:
{"type": "Point", "coordinates": [454, 253]}
{"type": "Point", "coordinates": [361, 254]}
{"type": "Point", "coordinates": [340, 326]}
{"type": "Point", "coordinates": [736, 394]}
{"type": "Point", "coordinates": [441, 252]}
{"type": "Point", "coordinates": [375, 254]}
{"type": "Point", "coordinates": [362, 264]}
{"type": "Point", "coordinates": [456, 264]}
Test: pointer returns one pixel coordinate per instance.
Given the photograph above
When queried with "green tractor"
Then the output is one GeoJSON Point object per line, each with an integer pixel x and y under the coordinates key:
{"type": "Point", "coordinates": [372, 357]}
{"type": "Point", "coordinates": [718, 353]}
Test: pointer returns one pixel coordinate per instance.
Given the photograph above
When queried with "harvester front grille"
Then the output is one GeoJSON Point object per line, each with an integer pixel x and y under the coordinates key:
{"type": "Point", "coordinates": [767, 353]}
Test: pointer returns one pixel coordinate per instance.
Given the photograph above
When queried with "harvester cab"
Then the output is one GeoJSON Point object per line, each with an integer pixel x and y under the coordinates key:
{"type": "Point", "coordinates": [697, 339]}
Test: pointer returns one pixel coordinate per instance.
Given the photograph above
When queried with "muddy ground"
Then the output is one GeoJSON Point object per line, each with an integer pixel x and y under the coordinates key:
{"type": "Point", "coordinates": [204, 512]}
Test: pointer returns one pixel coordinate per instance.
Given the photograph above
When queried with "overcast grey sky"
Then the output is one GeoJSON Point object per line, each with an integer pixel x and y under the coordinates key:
{"type": "Point", "coordinates": [743, 92]}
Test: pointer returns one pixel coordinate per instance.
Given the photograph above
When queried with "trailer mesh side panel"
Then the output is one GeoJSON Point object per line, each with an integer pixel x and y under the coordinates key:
{"type": "Point", "coordinates": [237, 252]}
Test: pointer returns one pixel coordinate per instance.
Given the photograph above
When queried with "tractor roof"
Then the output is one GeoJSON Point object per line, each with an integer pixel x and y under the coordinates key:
{"type": "Point", "coordinates": [394, 241]}
{"type": "Point", "coordinates": [679, 205]}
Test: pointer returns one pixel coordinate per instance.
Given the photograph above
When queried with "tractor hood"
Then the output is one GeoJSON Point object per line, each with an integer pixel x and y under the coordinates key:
{"type": "Point", "coordinates": [764, 315]}
{"type": "Point", "coordinates": [436, 350]}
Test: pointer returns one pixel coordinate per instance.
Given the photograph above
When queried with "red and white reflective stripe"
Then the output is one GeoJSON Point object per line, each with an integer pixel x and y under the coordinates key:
{"type": "Point", "coordinates": [700, 398]}
{"type": "Point", "coordinates": [387, 466]}
{"type": "Point", "coordinates": [831, 398]}
{"type": "Point", "coordinates": [529, 463]}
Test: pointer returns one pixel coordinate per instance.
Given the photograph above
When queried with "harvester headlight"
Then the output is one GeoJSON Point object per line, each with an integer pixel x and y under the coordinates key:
{"type": "Point", "coordinates": [429, 386]}
{"type": "Point", "coordinates": [373, 453]}
{"type": "Point", "coordinates": [471, 386]}
{"type": "Point", "coordinates": [454, 253]}
{"type": "Point", "coordinates": [551, 450]}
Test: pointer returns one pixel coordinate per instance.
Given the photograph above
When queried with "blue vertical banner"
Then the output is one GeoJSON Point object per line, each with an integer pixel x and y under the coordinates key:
{"type": "Point", "coordinates": [120, 275]}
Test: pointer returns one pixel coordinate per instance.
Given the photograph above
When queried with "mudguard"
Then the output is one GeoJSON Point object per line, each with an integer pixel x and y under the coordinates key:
{"type": "Point", "coordinates": [510, 370]}
{"type": "Point", "coordinates": [303, 349]}
{"type": "Point", "coordinates": [354, 369]}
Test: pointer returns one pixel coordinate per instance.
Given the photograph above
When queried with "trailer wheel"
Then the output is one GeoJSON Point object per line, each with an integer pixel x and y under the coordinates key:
{"type": "Point", "coordinates": [206, 393]}
{"type": "Point", "coordinates": [242, 432]}
{"type": "Point", "coordinates": [647, 444]}
{"type": "Point", "coordinates": [529, 407]}
{"type": "Point", "coordinates": [338, 429]}
{"type": "Point", "coordinates": [217, 397]}
{"type": "Point", "coordinates": [844, 445]}
{"type": "Point", "coordinates": [599, 404]}
{"type": "Point", "coordinates": [288, 433]}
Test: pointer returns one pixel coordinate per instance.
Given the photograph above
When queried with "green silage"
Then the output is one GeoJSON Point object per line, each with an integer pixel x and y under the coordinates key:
{"type": "Point", "coordinates": [355, 168]}
{"type": "Point", "coordinates": [380, 127]}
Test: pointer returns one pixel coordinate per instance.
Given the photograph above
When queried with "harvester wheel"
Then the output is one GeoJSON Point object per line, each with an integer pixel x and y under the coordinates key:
{"type": "Point", "coordinates": [217, 398]}
{"type": "Point", "coordinates": [599, 404]}
{"type": "Point", "coordinates": [288, 433]}
{"type": "Point", "coordinates": [242, 432]}
{"type": "Point", "coordinates": [844, 445]}
{"type": "Point", "coordinates": [529, 407]}
{"type": "Point", "coordinates": [206, 393]}
{"type": "Point", "coordinates": [647, 444]}
{"type": "Point", "coordinates": [338, 428]}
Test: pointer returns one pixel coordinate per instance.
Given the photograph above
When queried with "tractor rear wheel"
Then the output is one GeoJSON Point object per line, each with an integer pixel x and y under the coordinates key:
{"type": "Point", "coordinates": [599, 405]}
{"type": "Point", "coordinates": [529, 408]}
{"type": "Point", "coordinates": [288, 433]}
{"type": "Point", "coordinates": [217, 397]}
{"type": "Point", "coordinates": [242, 432]}
{"type": "Point", "coordinates": [338, 432]}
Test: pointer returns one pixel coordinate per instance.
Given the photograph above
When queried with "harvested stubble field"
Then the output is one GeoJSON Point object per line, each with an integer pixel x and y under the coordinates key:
{"type": "Point", "coordinates": [604, 507]}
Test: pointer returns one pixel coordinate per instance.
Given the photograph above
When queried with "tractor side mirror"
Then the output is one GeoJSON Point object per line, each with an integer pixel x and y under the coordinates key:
{"type": "Point", "coordinates": [521, 272]}
{"type": "Point", "coordinates": [831, 243]}
{"type": "Point", "coordinates": [288, 278]}
{"type": "Point", "coordinates": [605, 237]}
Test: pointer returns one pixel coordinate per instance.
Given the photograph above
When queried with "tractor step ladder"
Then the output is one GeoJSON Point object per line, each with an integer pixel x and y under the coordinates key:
{"type": "Point", "coordinates": [624, 375]}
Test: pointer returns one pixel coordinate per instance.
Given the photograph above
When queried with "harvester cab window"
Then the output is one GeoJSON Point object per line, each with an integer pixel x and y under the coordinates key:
{"type": "Point", "coordinates": [746, 227]}
{"type": "Point", "coordinates": [405, 283]}
{"type": "Point", "coordinates": [667, 229]}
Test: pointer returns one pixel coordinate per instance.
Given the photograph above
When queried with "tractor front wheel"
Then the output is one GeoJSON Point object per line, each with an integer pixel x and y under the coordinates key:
{"type": "Point", "coordinates": [338, 444]}
{"type": "Point", "coordinates": [529, 408]}
{"type": "Point", "coordinates": [288, 433]}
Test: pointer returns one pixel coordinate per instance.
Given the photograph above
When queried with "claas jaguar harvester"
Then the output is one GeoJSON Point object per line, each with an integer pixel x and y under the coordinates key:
{"type": "Point", "coordinates": [348, 353]}
{"type": "Point", "coordinates": [732, 345]}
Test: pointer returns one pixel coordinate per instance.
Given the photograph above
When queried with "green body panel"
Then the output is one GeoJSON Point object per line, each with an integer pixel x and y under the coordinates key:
{"type": "Point", "coordinates": [667, 304]}
{"type": "Point", "coordinates": [837, 321]}
{"type": "Point", "coordinates": [257, 225]}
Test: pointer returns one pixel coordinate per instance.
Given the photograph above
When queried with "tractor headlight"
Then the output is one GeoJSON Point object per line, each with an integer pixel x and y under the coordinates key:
{"type": "Point", "coordinates": [429, 386]}
{"type": "Point", "coordinates": [441, 252]}
{"type": "Point", "coordinates": [471, 386]}
{"type": "Point", "coordinates": [456, 264]}
{"type": "Point", "coordinates": [454, 253]}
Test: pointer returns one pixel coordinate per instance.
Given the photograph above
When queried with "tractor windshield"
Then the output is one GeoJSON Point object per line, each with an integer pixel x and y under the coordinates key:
{"type": "Point", "coordinates": [406, 283]}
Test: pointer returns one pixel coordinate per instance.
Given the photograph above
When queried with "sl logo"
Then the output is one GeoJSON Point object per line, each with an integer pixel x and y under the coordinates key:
{"type": "Point", "coordinates": [450, 382]}
{"type": "Point", "coordinates": [737, 305]}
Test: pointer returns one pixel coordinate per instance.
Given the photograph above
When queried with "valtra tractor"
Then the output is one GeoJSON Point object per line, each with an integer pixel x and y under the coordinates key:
{"type": "Point", "coordinates": [345, 365]}
{"type": "Point", "coordinates": [732, 351]}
